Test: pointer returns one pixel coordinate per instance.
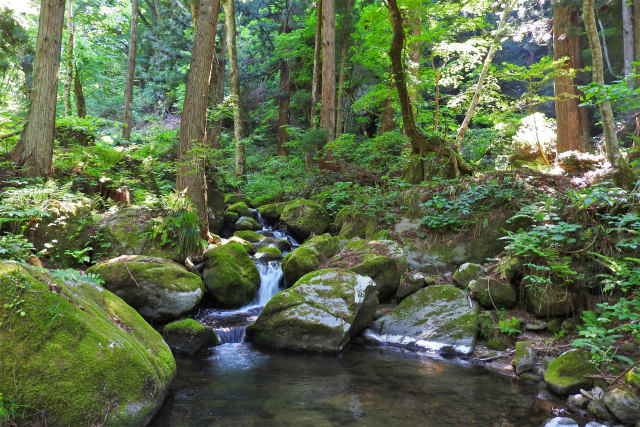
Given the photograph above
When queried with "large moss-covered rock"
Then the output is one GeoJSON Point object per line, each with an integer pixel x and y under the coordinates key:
{"type": "Point", "coordinates": [272, 211]}
{"type": "Point", "coordinates": [230, 275]}
{"type": "Point", "coordinates": [466, 273]}
{"type": "Point", "coordinates": [548, 302]}
{"type": "Point", "coordinates": [269, 253]}
{"type": "Point", "coordinates": [246, 223]}
{"type": "Point", "coordinates": [157, 288]}
{"type": "Point", "coordinates": [240, 208]}
{"type": "Point", "coordinates": [624, 403]}
{"type": "Point", "coordinates": [567, 373]}
{"type": "Point", "coordinates": [354, 224]}
{"type": "Point", "coordinates": [321, 313]}
{"type": "Point", "coordinates": [189, 336]}
{"type": "Point", "coordinates": [79, 354]}
{"type": "Point", "coordinates": [305, 217]}
{"type": "Point", "coordinates": [125, 231]}
{"type": "Point", "coordinates": [309, 256]}
{"type": "Point", "coordinates": [382, 260]}
{"type": "Point", "coordinates": [493, 294]}
{"type": "Point", "coordinates": [436, 318]}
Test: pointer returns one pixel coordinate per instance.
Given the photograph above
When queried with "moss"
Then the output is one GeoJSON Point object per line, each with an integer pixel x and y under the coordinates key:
{"type": "Point", "coordinates": [249, 235]}
{"type": "Point", "coordinates": [240, 208]}
{"type": "Point", "coordinates": [189, 336]}
{"type": "Point", "coordinates": [633, 377]}
{"type": "Point", "coordinates": [231, 198]}
{"type": "Point", "coordinates": [230, 275]}
{"type": "Point", "coordinates": [353, 224]}
{"type": "Point", "coordinates": [493, 294]}
{"type": "Point", "coordinates": [80, 353]}
{"type": "Point", "coordinates": [269, 252]}
{"type": "Point", "coordinates": [272, 211]}
{"type": "Point", "coordinates": [308, 257]}
{"type": "Point", "coordinates": [567, 373]}
{"type": "Point", "coordinates": [248, 246]}
{"type": "Point", "coordinates": [466, 273]}
{"type": "Point", "coordinates": [246, 223]}
{"type": "Point", "coordinates": [305, 217]}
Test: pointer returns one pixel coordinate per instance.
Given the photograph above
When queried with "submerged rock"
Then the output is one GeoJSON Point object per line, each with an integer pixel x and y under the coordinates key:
{"type": "Point", "coordinates": [321, 313]}
{"type": "Point", "coordinates": [157, 288]}
{"type": "Point", "coordinates": [308, 257]}
{"type": "Point", "coordinates": [382, 260]}
{"type": "Point", "coordinates": [493, 294]}
{"type": "Point", "coordinates": [305, 217]}
{"type": "Point", "coordinates": [189, 336]}
{"type": "Point", "coordinates": [230, 275]}
{"type": "Point", "coordinates": [79, 354]}
{"type": "Point", "coordinates": [566, 374]}
{"type": "Point", "coordinates": [436, 318]}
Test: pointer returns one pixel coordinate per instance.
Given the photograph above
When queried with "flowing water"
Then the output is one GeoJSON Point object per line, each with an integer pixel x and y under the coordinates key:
{"type": "Point", "coordinates": [237, 384]}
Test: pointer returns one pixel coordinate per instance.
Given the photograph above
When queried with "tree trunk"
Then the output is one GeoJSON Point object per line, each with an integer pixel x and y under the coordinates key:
{"type": "Point", "coordinates": [415, 29]}
{"type": "Point", "coordinates": [131, 68]}
{"type": "Point", "coordinates": [193, 127]}
{"type": "Point", "coordinates": [35, 150]}
{"type": "Point", "coordinates": [566, 43]}
{"type": "Point", "coordinates": [81, 105]}
{"type": "Point", "coordinates": [344, 57]}
{"type": "Point", "coordinates": [285, 93]}
{"type": "Point", "coordinates": [216, 95]}
{"type": "Point", "coordinates": [386, 117]}
{"type": "Point", "coordinates": [328, 107]}
{"type": "Point", "coordinates": [69, 64]}
{"type": "Point", "coordinates": [483, 74]}
{"type": "Point", "coordinates": [622, 172]}
{"type": "Point", "coordinates": [636, 39]}
{"type": "Point", "coordinates": [317, 64]}
{"type": "Point", "coordinates": [627, 40]}
{"type": "Point", "coordinates": [234, 80]}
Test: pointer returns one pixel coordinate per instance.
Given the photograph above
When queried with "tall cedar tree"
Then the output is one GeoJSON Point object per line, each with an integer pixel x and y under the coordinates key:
{"type": "Point", "coordinates": [35, 150]}
{"type": "Point", "coordinates": [193, 128]}
{"type": "Point", "coordinates": [342, 79]}
{"type": "Point", "coordinates": [328, 107]}
{"type": "Point", "coordinates": [69, 64]}
{"type": "Point", "coordinates": [131, 68]}
{"type": "Point", "coordinates": [284, 101]}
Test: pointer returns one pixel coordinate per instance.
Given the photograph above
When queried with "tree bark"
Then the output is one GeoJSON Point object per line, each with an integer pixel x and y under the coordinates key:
{"type": "Point", "coordinates": [131, 68]}
{"type": "Point", "coordinates": [284, 113]}
{"type": "Point", "coordinates": [81, 105]}
{"type": "Point", "coordinates": [234, 80]}
{"type": "Point", "coordinates": [69, 64]}
{"type": "Point", "coordinates": [328, 107]}
{"type": "Point", "coordinates": [483, 74]}
{"type": "Point", "coordinates": [636, 39]}
{"type": "Point", "coordinates": [386, 117]}
{"type": "Point", "coordinates": [627, 41]}
{"type": "Point", "coordinates": [217, 95]}
{"type": "Point", "coordinates": [415, 29]}
{"type": "Point", "coordinates": [35, 150]}
{"type": "Point", "coordinates": [344, 57]}
{"type": "Point", "coordinates": [193, 128]}
{"type": "Point", "coordinates": [570, 117]}
{"type": "Point", "coordinates": [317, 64]}
{"type": "Point", "coordinates": [622, 172]}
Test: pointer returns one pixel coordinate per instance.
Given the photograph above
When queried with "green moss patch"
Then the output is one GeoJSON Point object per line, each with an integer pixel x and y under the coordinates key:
{"type": "Point", "coordinates": [568, 372]}
{"type": "Point", "coordinates": [230, 275]}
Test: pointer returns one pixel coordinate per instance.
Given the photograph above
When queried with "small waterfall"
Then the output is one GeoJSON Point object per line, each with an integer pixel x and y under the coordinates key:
{"type": "Point", "coordinates": [270, 279]}
{"type": "Point", "coordinates": [231, 334]}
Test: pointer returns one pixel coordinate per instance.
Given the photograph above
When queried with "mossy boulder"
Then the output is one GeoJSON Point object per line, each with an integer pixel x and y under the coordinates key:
{"type": "Point", "coordinates": [80, 354]}
{"type": "Point", "coordinates": [305, 217]}
{"type": "Point", "coordinates": [248, 246]}
{"type": "Point", "coordinates": [382, 260]}
{"type": "Point", "coordinates": [550, 301]}
{"type": "Point", "coordinates": [189, 336]}
{"type": "Point", "coordinates": [230, 275]}
{"type": "Point", "coordinates": [466, 273]}
{"type": "Point", "coordinates": [632, 377]}
{"type": "Point", "coordinates": [282, 244]}
{"type": "Point", "coordinates": [309, 256]}
{"type": "Point", "coordinates": [249, 235]}
{"type": "Point", "coordinates": [272, 211]}
{"type": "Point", "coordinates": [525, 359]}
{"type": "Point", "coordinates": [436, 318]}
{"type": "Point", "coordinates": [321, 313]}
{"type": "Point", "coordinates": [125, 231]}
{"type": "Point", "coordinates": [493, 294]}
{"type": "Point", "coordinates": [567, 374]}
{"type": "Point", "coordinates": [230, 219]}
{"type": "Point", "coordinates": [269, 253]}
{"type": "Point", "coordinates": [624, 403]}
{"type": "Point", "coordinates": [232, 198]}
{"type": "Point", "coordinates": [354, 224]}
{"type": "Point", "coordinates": [246, 223]}
{"type": "Point", "coordinates": [240, 208]}
{"type": "Point", "coordinates": [159, 289]}
{"type": "Point", "coordinates": [411, 282]}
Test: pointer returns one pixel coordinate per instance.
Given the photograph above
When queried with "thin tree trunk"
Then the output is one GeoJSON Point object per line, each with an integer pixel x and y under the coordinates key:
{"type": "Point", "coordinates": [69, 64]}
{"type": "Point", "coordinates": [193, 128]}
{"type": "Point", "coordinates": [636, 39]}
{"type": "Point", "coordinates": [131, 68]}
{"type": "Point", "coordinates": [605, 50]}
{"type": "Point", "coordinates": [386, 117]}
{"type": "Point", "coordinates": [35, 150]}
{"type": "Point", "coordinates": [483, 74]}
{"type": "Point", "coordinates": [234, 80]}
{"type": "Point", "coordinates": [81, 105]}
{"type": "Point", "coordinates": [623, 174]}
{"type": "Point", "coordinates": [217, 95]}
{"type": "Point", "coordinates": [627, 41]}
{"type": "Point", "coordinates": [413, 67]}
{"type": "Point", "coordinates": [566, 43]}
{"type": "Point", "coordinates": [344, 58]}
{"type": "Point", "coordinates": [317, 64]}
{"type": "Point", "coordinates": [328, 107]}
{"type": "Point", "coordinates": [284, 113]}
{"type": "Point", "coordinates": [436, 83]}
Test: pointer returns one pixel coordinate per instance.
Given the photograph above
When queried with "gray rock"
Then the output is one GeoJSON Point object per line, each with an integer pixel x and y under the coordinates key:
{"type": "Point", "coordinates": [554, 325]}
{"type": "Point", "coordinates": [578, 401]}
{"type": "Point", "coordinates": [595, 424]}
{"type": "Point", "coordinates": [466, 273]}
{"type": "Point", "coordinates": [493, 294]}
{"type": "Point", "coordinates": [569, 325]}
{"type": "Point", "coordinates": [321, 312]}
{"type": "Point", "coordinates": [308, 257]}
{"type": "Point", "coordinates": [598, 409]}
{"type": "Point", "coordinates": [570, 371]}
{"type": "Point", "coordinates": [246, 223]}
{"type": "Point", "coordinates": [536, 325]}
{"type": "Point", "coordinates": [561, 422]}
{"type": "Point", "coordinates": [411, 282]}
{"type": "Point", "coordinates": [623, 403]}
{"type": "Point", "coordinates": [549, 302]}
{"type": "Point", "coordinates": [305, 217]}
{"type": "Point", "coordinates": [436, 318]}
{"type": "Point", "coordinates": [525, 359]}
